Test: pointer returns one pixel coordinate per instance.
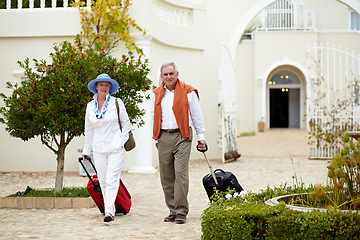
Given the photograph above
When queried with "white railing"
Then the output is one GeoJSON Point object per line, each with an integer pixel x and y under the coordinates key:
{"type": "Point", "coordinates": [38, 4]}
{"type": "Point", "coordinates": [330, 132]}
{"type": "Point", "coordinates": [287, 20]}
{"type": "Point", "coordinates": [172, 14]}
{"type": "Point", "coordinates": [332, 98]}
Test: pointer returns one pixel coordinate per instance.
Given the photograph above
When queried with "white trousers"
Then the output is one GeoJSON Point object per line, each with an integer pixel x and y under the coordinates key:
{"type": "Point", "coordinates": [108, 166]}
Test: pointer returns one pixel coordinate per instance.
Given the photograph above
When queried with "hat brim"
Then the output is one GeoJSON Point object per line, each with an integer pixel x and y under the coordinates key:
{"type": "Point", "coordinates": [114, 85]}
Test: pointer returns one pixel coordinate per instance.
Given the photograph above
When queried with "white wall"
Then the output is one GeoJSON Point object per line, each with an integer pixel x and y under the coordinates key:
{"type": "Point", "coordinates": [256, 58]}
{"type": "Point", "coordinates": [196, 48]}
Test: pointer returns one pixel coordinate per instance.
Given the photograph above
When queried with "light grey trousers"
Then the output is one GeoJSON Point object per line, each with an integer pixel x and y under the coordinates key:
{"type": "Point", "coordinates": [174, 153]}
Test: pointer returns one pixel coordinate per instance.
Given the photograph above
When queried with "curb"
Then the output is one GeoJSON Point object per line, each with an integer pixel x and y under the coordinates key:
{"type": "Point", "coordinates": [276, 200]}
{"type": "Point", "coordinates": [45, 202]}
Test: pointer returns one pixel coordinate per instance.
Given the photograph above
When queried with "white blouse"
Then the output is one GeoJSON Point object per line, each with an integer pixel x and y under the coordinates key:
{"type": "Point", "coordinates": [103, 135]}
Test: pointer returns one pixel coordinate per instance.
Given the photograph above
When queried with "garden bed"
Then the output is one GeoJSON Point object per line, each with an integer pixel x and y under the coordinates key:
{"type": "Point", "coordinates": [232, 217]}
{"type": "Point", "coordinates": [75, 197]}
{"type": "Point", "coordinates": [46, 202]}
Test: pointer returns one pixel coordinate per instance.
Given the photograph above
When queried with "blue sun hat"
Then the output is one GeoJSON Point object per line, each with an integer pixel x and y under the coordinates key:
{"type": "Point", "coordinates": [103, 77]}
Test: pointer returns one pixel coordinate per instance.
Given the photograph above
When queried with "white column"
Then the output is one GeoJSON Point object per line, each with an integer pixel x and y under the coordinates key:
{"type": "Point", "coordinates": [144, 143]}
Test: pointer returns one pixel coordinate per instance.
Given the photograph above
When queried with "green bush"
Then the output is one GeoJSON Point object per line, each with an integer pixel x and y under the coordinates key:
{"type": "Point", "coordinates": [66, 192]}
{"type": "Point", "coordinates": [245, 216]}
{"type": "Point", "coordinates": [344, 176]}
{"type": "Point", "coordinates": [313, 225]}
{"type": "Point", "coordinates": [236, 220]}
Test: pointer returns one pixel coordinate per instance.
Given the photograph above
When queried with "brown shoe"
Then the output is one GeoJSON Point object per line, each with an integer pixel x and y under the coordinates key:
{"type": "Point", "coordinates": [170, 218]}
{"type": "Point", "coordinates": [180, 218]}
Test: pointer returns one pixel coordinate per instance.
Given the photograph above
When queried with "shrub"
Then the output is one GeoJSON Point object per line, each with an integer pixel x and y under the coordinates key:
{"type": "Point", "coordinates": [245, 216]}
{"type": "Point", "coordinates": [344, 175]}
{"type": "Point", "coordinates": [66, 192]}
{"type": "Point", "coordinates": [291, 224]}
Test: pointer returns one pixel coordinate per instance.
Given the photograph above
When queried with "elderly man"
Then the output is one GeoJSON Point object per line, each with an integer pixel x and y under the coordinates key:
{"type": "Point", "coordinates": [176, 111]}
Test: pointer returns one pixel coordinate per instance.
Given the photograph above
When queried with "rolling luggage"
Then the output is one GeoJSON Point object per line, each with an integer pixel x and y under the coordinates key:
{"type": "Point", "coordinates": [219, 179]}
{"type": "Point", "coordinates": [123, 198]}
{"type": "Point", "coordinates": [224, 179]}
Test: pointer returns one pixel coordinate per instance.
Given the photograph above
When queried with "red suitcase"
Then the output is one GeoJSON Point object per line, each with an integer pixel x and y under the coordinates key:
{"type": "Point", "coordinates": [123, 198]}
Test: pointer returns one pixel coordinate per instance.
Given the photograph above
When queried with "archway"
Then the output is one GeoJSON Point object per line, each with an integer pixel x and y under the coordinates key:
{"type": "Point", "coordinates": [257, 7]}
{"type": "Point", "coordinates": [229, 51]}
{"type": "Point", "coordinates": [227, 72]}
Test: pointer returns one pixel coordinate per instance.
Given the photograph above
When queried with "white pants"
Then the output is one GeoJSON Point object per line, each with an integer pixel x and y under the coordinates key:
{"type": "Point", "coordinates": [108, 166]}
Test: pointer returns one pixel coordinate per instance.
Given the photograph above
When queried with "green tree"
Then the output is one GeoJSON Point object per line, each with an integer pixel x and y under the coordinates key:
{"type": "Point", "coordinates": [51, 101]}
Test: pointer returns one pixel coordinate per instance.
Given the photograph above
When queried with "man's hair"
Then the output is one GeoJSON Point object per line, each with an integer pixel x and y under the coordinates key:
{"type": "Point", "coordinates": [167, 64]}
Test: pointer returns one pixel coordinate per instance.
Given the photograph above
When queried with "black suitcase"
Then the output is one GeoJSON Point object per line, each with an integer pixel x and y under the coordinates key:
{"type": "Point", "coordinates": [218, 179]}
{"type": "Point", "coordinates": [225, 180]}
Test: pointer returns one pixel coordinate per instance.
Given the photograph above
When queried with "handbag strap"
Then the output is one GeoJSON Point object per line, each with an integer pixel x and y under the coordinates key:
{"type": "Point", "coordinates": [118, 110]}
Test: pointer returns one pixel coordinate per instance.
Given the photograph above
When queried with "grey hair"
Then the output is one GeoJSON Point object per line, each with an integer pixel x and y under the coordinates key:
{"type": "Point", "coordinates": [103, 81]}
{"type": "Point", "coordinates": [167, 64]}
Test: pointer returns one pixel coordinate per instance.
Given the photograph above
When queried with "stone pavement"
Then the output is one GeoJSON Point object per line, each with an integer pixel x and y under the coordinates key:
{"type": "Point", "coordinates": [268, 159]}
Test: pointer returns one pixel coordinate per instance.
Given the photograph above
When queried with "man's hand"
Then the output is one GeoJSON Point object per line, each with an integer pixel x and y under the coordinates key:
{"type": "Point", "coordinates": [202, 144]}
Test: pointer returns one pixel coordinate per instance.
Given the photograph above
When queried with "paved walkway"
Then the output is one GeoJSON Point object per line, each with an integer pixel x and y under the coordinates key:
{"type": "Point", "coordinates": [268, 159]}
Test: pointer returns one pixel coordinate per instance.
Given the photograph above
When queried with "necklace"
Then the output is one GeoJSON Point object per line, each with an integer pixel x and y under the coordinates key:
{"type": "Point", "coordinates": [104, 108]}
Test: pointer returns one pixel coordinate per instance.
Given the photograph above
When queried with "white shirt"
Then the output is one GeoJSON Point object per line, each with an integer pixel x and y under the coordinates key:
{"type": "Point", "coordinates": [168, 120]}
{"type": "Point", "coordinates": [103, 135]}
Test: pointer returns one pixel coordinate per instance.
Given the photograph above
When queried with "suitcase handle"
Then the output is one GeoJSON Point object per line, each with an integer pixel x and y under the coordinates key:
{"type": "Point", "coordinates": [219, 170]}
{"type": "Point", "coordinates": [87, 173]}
{"type": "Point", "coordinates": [202, 149]}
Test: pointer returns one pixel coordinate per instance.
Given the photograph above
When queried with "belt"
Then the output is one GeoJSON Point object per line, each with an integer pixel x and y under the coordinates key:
{"type": "Point", "coordinates": [171, 130]}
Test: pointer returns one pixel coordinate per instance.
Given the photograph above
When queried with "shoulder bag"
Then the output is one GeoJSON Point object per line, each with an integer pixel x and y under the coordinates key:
{"type": "Point", "coordinates": [130, 143]}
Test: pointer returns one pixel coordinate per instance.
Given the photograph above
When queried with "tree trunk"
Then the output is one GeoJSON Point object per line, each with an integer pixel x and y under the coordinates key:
{"type": "Point", "coordinates": [60, 168]}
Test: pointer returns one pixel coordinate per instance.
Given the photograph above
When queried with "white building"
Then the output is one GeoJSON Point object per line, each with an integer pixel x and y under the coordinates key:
{"type": "Point", "coordinates": [233, 51]}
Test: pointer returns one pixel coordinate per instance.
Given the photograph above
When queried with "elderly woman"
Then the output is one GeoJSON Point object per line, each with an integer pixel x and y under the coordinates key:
{"type": "Point", "coordinates": [104, 137]}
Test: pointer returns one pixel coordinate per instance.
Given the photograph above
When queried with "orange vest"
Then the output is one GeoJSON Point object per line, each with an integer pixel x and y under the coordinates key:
{"type": "Point", "coordinates": [180, 108]}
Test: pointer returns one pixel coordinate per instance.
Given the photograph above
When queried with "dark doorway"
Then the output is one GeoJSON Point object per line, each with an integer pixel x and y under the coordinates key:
{"type": "Point", "coordinates": [279, 108]}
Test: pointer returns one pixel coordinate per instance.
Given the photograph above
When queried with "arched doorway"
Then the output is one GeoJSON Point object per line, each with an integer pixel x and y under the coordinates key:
{"type": "Point", "coordinates": [284, 99]}
{"type": "Point", "coordinates": [228, 77]}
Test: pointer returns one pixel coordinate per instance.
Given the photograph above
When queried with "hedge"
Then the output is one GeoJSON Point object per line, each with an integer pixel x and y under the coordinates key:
{"type": "Point", "coordinates": [247, 220]}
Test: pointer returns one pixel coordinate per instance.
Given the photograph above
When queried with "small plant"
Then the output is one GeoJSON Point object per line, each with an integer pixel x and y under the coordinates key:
{"type": "Point", "coordinates": [66, 192]}
{"type": "Point", "coordinates": [107, 23]}
{"type": "Point", "coordinates": [248, 134]}
{"type": "Point", "coordinates": [344, 175]}
{"type": "Point", "coordinates": [230, 137]}
{"type": "Point", "coordinates": [220, 197]}
{"type": "Point", "coordinates": [343, 192]}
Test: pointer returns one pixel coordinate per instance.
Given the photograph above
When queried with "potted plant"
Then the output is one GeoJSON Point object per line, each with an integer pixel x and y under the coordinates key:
{"type": "Point", "coordinates": [261, 125]}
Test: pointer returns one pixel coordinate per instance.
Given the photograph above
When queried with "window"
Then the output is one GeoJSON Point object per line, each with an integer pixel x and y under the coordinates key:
{"type": "Point", "coordinates": [284, 77]}
{"type": "Point", "coordinates": [280, 15]}
{"type": "Point", "coordinates": [354, 21]}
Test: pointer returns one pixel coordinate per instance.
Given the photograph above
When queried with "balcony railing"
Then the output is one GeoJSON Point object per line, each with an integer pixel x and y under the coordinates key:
{"type": "Point", "coordinates": [287, 20]}
{"type": "Point", "coordinates": [16, 5]}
